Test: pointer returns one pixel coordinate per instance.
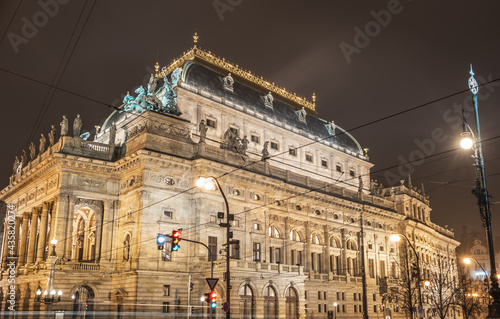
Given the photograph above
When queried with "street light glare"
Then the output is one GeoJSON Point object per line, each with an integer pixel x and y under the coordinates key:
{"type": "Point", "coordinates": [208, 183]}
{"type": "Point", "coordinates": [466, 142]}
{"type": "Point", "coordinates": [201, 182]}
{"type": "Point", "coordinates": [467, 261]}
{"type": "Point", "coordinates": [53, 242]}
{"type": "Point", "coordinates": [395, 237]}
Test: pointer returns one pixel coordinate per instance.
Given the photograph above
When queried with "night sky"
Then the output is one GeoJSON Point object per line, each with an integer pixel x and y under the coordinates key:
{"type": "Point", "coordinates": [365, 60]}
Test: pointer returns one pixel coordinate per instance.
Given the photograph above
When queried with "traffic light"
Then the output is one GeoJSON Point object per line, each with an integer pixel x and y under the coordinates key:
{"type": "Point", "coordinates": [160, 241]}
{"type": "Point", "coordinates": [176, 238]}
{"type": "Point", "coordinates": [213, 299]}
{"type": "Point", "coordinates": [86, 306]}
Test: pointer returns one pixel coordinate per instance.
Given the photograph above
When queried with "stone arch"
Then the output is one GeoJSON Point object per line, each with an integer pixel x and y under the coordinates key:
{"type": "Point", "coordinates": [316, 238]}
{"type": "Point", "coordinates": [275, 230]}
{"type": "Point", "coordinates": [351, 244]}
{"type": "Point", "coordinates": [84, 246]}
{"type": "Point", "coordinates": [247, 295]}
{"type": "Point", "coordinates": [294, 233]}
{"type": "Point", "coordinates": [271, 305]}
{"type": "Point", "coordinates": [291, 302]}
{"type": "Point", "coordinates": [335, 242]}
{"type": "Point", "coordinates": [83, 297]}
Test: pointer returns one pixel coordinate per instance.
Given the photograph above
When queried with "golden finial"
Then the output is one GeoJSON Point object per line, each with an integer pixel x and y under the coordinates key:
{"type": "Point", "coordinates": [195, 38]}
{"type": "Point", "coordinates": [157, 67]}
{"type": "Point", "coordinates": [314, 98]}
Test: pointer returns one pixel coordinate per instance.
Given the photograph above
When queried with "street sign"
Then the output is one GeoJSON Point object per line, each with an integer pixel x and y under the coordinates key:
{"type": "Point", "coordinates": [225, 307]}
{"type": "Point", "coordinates": [212, 282]}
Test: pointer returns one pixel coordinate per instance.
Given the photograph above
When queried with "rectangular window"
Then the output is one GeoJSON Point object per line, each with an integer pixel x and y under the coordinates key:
{"type": "Point", "coordinates": [292, 151]}
{"type": "Point", "coordinates": [167, 214]}
{"type": "Point", "coordinates": [359, 308]}
{"type": "Point", "coordinates": [374, 297]}
{"type": "Point", "coordinates": [355, 308]}
{"type": "Point", "coordinates": [338, 168]}
{"type": "Point", "coordinates": [338, 295]}
{"type": "Point", "coordinates": [293, 257]}
{"type": "Point", "coordinates": [324, 163]}
{"type": "Point", "coordinates": [319, 295]}
{"type": "Point", "coordinates": [211, 123]}
{"type": "Point", "coordinates": [166, 307]}
{"type": "Point", "coordinates": [337, 265]}
{"type": "Point", "coordinates": [343, 308]}
{"type": "Point", "coordinates": [319, 263]}
{"type": "Point", "coordinates": [166, 290]}
{"type": "Point", "coordinates": [235, 223]}
{"type": "Point", "coordinates": [254, 138]}
{"type": "Point", "coordinates": [309, 157]}
{"type": "Point", "coordinates": [167, 250]}
{"type": "Point", "coordinates": [382, 269]}
{"type": "Point", "coordinates": [271, 254]}
{"type": "Point", "coordinates": [343, 296]}
{"type": "Point", "coordinates": [277, 255]}
{"type": "Point", "coordinates": [370, 246]}
{"type": "Point", "coordinates": [305, 294]}
{"type": "Point", "coordinates": [213, 219]}
{"type": "Point", "coordinates": [381, 248]}
{"type": "Point", "coordinates": [313, 261]}
{"type": "Point", "coordinates": [359, 296]}
{"type": "Point", "coordinates": [299, 257]}
{"type": "Point", "coordinates": [354, 295]}
{"type": "Point", "coordinates": [256, 251]}
{"type": "Point", "coordinates": [324, 295]}
{"type": "Point", "coordinates": [274, 145]}
{"type": "Point", "coordinates": [319, 308]}
{"type": "Point", "coordinates": [352, 173]}
{"type": "Point", "coordinates": [374, 308]}
{"type": "Point", "coordinates": [235, 251]}
{"type": "Point", "coordinates": [324, 308]}
{"type": "Point", "coordinates": [256, 226]}
{"type": "Point", "coordinates": [371, 268]}
{"type": "Point", "coordinates": [212, 245]}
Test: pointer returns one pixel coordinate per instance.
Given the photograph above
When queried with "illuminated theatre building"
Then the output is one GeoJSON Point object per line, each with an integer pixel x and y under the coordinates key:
{"type": "Point", "coordinates": [291, 180]}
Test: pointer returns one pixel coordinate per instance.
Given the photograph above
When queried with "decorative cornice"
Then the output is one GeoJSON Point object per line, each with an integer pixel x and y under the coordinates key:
{"type": "Point", "coordinates": [197, 54]}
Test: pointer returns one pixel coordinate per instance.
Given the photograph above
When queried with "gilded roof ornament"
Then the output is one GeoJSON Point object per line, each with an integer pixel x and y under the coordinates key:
{"type": "Point", "coordinates": [197, 54]}
{"type": "Point", "coordinates": [195, 38]}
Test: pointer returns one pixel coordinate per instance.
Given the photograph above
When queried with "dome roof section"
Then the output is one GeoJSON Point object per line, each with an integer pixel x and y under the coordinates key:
{"type": "Point", "coordinates": [206, 79]}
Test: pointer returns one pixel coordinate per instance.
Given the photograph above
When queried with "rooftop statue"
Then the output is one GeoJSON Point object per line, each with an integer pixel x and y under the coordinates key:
{"type": "Point", "coordinates": [42, 144]}
{"type": "Point", "coordinates": [161, 100]}
{"type": "Point", "coordinates": [32, 151]}
{"type": "Point", "coordinates": [77, 126]}
{"type": "Point", "coordinates": [52, 136]}
{"type": "Point", "coordinates": [64, 126]}
{"type": "Point", "coordinates": [15, 167]}
{"type": "Point", "coordinates": [24, 159]}
{"type": "Point", "coordinates": [265, 152]}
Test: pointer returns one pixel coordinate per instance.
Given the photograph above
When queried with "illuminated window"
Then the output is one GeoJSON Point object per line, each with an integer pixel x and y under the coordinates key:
{"type": "Point", "coordinates": [255, 138]}
{"type": "Point", "coordinates": [211, 123]}
{"type": "Point", "coordinates": [274, 145]}
{"type": "Point", "coordinates": [292, 151]}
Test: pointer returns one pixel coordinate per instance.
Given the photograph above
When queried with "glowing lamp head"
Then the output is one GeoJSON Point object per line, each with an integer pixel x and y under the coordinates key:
{"type": "Point", "coordinates": [201, 182]}
{"type": "Point", "coordinates": [466, 143]}
{"type": "Point", "coordinates": [335, 304]}
{"type": "Point", "coordinates": [45, 293]}
{"type": "Point", "coordinates": [59, 293]}
{"type": "Point", "coordinates": [38, 291]}
{"type": "Point", "coordinates": [395, 238]}
{"type": "Point", "coordinates": [427, 283]}
{"type": "Point", "coordinates": [467, 261]}
{"type": "Point", "coordinates": [160, 239]}
{"type": "Point", "coordinates": [53, 242]}
{"type": "Point", "coordinates": [207, 183]}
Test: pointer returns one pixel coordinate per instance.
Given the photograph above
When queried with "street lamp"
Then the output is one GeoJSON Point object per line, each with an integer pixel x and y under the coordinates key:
{"type": "Point", "coordinates": [397, 238]}
{"type": "Point", "coordinates": [335, 310]}
{"type": "Point", "coordinates": [50, 296]}
{"type": "Point", "coordinates": [481, 193]}
{"type": "Point", "coordinates": [468, 261]}
{"type": "Point", "coordinates": [211, 183]}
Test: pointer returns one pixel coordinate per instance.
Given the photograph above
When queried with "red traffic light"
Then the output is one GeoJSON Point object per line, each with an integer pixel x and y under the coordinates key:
{"type": "Point", "coordinates": [213, 295]}
{"type": "Point", "coordinates": [176, 234]}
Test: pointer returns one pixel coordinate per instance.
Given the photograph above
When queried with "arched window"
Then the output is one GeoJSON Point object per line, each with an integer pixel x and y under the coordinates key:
{"type": "Point", "coordinates": [270, 303]}
{"type": "Point", "coordinates": [247, 307]}
{"type": "Point", "coordinates": [274, 232]}
{"type": "Point", "coordinates": [351, 245]}
{"type": "Point", "coordinates": [294, 235]}
{"type": "Point", "coordinates": [83, 298]}
{"type": "Point", "coordinates": [334, 242]}
{"type": "Point", "coordinates": [292, 304]}
{"type": "Point", "coordinates": [84, 231]}
{"type": "Point", "coordinates": [315, 239]}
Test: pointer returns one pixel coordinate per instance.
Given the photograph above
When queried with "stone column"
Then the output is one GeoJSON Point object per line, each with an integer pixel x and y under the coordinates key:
{"type": "Point", "coordinates": [326, 250]}
{"type": "Point", "coordinates": [42, 237]}
{"type": "Point", "coordinates": [32, 239]}
{"type": "Point", "coordinates": [17, 229]}
{"type": "Point", "coordinates": [108, 229]}
{"type": "Point", "coordinates": [5, 249]}
{"type": "Point", "coordinates": [307, 250]}
{"type": "Point", "coordinates": [286, 248]}
{"type": "Point", "coordinates": [24, 239]}
{"type": "Point", "coordinates": [343, 254]}
{"type": "Point", "coordinates": [98, 232]}
{"type": "Point", "coordinates": [69, 226]}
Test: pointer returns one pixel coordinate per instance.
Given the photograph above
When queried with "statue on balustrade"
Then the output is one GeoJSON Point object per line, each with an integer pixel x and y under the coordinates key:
{"type": "Point", "coordinates": [77, 126]}
{"type": "Point", "coordinates": [42, 144]}
{"type": "Point", "coordinates": [52, 136]}
{"type": "Point", "coordinates": [32, 151]}
{"type": "Point", "coordinates": [64, 126]}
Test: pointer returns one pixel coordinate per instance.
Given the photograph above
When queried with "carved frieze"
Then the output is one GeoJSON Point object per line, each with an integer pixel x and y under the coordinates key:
{"type": "Point", "coordinates": [91, 203]}
{"type": "Point", "coordinates": [160, 128]}
{"type": "Point", "coordinates": [91, 183]}
{"type": "Point", "coordinates": [131, 182]}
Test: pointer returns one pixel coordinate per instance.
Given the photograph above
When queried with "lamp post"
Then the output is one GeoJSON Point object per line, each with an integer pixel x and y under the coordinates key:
{"type": "Point", "coordinates": [211, 183]}
{"type": "Point", "coordinates": [335, 310]}
{"type": "Point", "coordinates": [396, 238]}
{"type": "Point", "coordinates": [49, 295]}
{"type": "Point", "coordinates": [481, 193]}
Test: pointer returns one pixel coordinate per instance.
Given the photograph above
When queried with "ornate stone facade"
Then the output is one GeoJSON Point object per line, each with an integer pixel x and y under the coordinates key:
{"type": "Point", "coordinates": [301, 211]}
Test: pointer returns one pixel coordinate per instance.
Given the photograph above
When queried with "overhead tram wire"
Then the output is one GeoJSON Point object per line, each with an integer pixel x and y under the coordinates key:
{"type": "Point", "coordinates": [236, 169]}
{"type": "Point", "coordinates": [10, 22]}
{"type": "Point", "coordinates": [57, 77]}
